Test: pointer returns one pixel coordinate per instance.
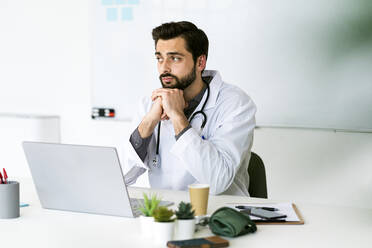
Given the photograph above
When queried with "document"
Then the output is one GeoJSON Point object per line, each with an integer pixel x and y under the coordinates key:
{"type": "Point", "coordinates": [285, 208]}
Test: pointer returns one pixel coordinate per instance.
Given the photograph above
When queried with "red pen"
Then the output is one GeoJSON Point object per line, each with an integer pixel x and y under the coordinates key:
{"type": "Point", "coordinates": [5, 176]}
{"type": "Point", "coordinates": [1, 179]}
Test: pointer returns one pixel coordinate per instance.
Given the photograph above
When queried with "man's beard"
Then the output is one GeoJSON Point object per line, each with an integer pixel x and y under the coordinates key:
{"type": "Point", "coordinates": [182, 83]}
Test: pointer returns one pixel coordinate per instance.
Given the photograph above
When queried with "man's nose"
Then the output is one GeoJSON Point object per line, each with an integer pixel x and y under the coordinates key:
{"type": "Point", "coordinates": [164, 67]}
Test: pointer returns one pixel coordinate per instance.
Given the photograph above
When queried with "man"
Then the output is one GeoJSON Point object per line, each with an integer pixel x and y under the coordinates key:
{"type": "Point", "coordinates": [196, 128]}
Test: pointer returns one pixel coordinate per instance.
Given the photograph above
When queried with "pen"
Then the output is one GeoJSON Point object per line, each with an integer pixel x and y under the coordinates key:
{"type": "Point", "coordinates": [270, 221]}
{"type": "Point", "coordinates": [249, 207]}
{"type": "Point", "coordinates": [5, 176]}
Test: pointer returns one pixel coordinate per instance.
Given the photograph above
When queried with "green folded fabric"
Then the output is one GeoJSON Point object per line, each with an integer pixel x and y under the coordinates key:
{"type": "Point", "coordinates": [231, 223]}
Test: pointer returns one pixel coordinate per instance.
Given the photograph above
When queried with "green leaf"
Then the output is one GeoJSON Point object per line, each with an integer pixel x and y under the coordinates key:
{"type": "Point", "coordinates": [163, 214]}
{"type": "Point", "coordinates": [185, 211]}
{"type": "Point", "coordinates": [151, 203]}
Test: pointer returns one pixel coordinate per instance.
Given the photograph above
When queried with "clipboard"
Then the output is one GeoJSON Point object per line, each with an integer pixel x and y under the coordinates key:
{"type": "Point", "coordinates": [300, 222]}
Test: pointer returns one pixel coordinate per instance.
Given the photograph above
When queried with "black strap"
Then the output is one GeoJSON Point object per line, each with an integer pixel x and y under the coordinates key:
{"type": "Point", "coordinates": [202, 109]}
{"type": "Point", "coordinates": [158, 140]}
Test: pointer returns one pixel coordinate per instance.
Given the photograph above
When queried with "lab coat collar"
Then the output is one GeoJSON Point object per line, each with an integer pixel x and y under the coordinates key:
{"type": "Point", "coordinates": [214, 86]}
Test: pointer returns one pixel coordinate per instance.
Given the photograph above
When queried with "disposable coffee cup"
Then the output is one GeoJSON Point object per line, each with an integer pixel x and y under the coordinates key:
{"type": "Point", "coordinates": [9, 200]}
{"type": "Point", "coordinates": [199, 198]}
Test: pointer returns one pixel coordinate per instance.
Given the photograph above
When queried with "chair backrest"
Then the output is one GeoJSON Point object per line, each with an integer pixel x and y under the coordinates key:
{"type": "Point", "coordinates": [257, 177]}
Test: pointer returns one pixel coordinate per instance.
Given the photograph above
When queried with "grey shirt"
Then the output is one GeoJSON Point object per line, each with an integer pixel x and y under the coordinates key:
{"type": "Point", "coordinates": [140, 144]}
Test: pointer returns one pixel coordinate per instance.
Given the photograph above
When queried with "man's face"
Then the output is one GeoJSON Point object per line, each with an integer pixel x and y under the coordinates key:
{"type": "Point", "coordinates": [176, 66]}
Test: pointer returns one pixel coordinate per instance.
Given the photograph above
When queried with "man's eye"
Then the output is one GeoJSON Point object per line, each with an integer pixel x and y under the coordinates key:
{"type": "Point", "coordinates": [176, 59]}
{"type": "Point", "coordinates": [159, 59]}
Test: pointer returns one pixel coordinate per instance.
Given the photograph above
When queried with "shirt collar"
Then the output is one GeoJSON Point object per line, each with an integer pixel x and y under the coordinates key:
{"type": "Point", "coordinates": [214, 87]}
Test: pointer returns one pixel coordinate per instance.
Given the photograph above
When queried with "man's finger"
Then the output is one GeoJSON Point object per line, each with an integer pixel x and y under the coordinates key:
{"type": "Point", "coordinates": [155, 96]}
{"type": "Point", "coordinates": [166, 91]}
{"type": "Point", "coordinates": [159, 91]}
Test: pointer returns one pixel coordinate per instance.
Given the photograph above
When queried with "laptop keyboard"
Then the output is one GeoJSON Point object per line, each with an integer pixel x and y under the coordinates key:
{"type": "Point", "coordinates": [136, 203]}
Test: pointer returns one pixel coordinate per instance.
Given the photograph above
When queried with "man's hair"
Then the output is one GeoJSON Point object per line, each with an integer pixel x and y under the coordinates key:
{"type": "Point", "coordinates": [196, 40]}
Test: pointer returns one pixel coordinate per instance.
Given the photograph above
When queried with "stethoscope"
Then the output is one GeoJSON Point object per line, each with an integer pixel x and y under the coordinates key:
{"type": "Point", "coordinates": [156, 160]}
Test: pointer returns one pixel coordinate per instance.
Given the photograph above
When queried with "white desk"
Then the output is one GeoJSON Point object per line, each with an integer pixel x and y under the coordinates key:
{"type": "Point", "coordinates": [325, 226]}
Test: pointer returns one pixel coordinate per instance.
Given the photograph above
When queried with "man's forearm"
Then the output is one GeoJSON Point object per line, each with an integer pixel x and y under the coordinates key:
{"type": "Point", "coordinates": [146, 127]}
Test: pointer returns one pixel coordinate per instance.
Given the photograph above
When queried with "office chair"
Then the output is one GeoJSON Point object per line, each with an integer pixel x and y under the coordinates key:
{"type": "Point", "coordinates": [257, 177]}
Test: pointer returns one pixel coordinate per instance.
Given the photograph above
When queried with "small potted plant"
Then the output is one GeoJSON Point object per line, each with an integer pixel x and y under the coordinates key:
{"type": "Point", "coordinates": [150, 204]}
{"type": "Point", "coordinates": [163, 225]}
{"type": "Point", "coordinates": [185, 224]}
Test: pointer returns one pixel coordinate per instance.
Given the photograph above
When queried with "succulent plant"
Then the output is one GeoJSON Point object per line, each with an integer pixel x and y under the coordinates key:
{"type": "Point", "coordinates": [150, 204]}
{"type": "Point", "coordinates": [185, 211]}
{"type": "Point", "coordinates": [163, 214]}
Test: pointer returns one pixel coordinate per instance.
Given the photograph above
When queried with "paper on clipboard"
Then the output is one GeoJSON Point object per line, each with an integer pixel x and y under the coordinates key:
{"type": "Point", "coordinates": [286, 208]}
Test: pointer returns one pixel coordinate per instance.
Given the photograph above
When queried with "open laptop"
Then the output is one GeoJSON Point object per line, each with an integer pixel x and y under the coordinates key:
{"type": "Point", "coordinates": [80, 178]}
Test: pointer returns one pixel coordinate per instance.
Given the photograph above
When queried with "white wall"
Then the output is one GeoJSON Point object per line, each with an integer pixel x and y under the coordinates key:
{"type": "Point", "coordinates": [14, 129]}
{"type": "Point", "coordinates": [282, 53]}
{"type": "Point", "coordinates": [317, 165]}
{"type": "Point", "coordinates": [45, 69]}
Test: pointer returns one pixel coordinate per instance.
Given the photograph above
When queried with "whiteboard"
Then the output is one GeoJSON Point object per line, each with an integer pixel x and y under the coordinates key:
{"type": "Point", "coordinates": [296, 59]}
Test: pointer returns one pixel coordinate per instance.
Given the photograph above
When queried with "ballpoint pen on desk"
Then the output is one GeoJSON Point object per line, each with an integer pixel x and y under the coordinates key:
{"type": "Point", "coordinates": [271, 221]}
{"type": "Point", "coordinates": [5, 176]}
{"type": "Point", "coordinates": [250, 207]}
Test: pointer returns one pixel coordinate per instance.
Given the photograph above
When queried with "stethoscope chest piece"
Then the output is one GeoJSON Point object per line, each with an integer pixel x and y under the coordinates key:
{"type": "Point", "coordinates": [156, 161]}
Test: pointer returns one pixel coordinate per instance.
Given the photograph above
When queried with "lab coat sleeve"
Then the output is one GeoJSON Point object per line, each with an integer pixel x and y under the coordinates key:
{"type": "Point", "coordinates": [215, 161]}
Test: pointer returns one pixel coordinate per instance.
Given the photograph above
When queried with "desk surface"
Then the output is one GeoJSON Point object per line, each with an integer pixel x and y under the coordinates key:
{"type": "Point", "coordinates": [325, 226]}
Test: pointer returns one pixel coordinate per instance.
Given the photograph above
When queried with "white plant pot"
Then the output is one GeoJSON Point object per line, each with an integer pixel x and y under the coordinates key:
{"type": "Point", "coordinates": [163, 232]}
{"type": "Point", "coordinates": [147, 224]}
{"type": "Point", "coordinates": [185, 229]}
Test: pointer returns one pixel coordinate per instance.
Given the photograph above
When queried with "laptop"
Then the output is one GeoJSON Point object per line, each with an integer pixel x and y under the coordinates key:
{"type": "Point", "coordinates": [80, 178]}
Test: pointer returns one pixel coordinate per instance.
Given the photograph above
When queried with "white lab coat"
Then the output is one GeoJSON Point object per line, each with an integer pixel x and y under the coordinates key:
{"type": "Point", "coordinates": [219, 159]}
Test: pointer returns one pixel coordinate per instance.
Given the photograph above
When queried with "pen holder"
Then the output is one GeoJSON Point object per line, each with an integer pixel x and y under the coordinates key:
{"type": "Point", "coordinates": [9, 200]}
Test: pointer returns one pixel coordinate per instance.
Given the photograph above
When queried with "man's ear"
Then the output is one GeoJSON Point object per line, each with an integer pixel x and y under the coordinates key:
{"type": "Point", "coordinates": [201, 62]}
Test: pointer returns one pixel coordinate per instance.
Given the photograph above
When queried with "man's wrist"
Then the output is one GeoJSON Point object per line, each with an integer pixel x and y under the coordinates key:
{"type": "Point", "coordinates": [182, 132]}
{"type": "Point", "coordinates": [179, 122]}
{"type": "Point", "coordinates": [146, 127]}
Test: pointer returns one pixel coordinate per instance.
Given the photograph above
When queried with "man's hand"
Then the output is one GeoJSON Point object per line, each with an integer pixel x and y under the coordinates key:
{"type": "Point", "coordinates": [172, 100]}
{"type": "Point", "coordinates": [173, 104]}
{"type": "Point", "coordinates": [151, 119]}
{"type": "Point", "coordinates": [156, 110]}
